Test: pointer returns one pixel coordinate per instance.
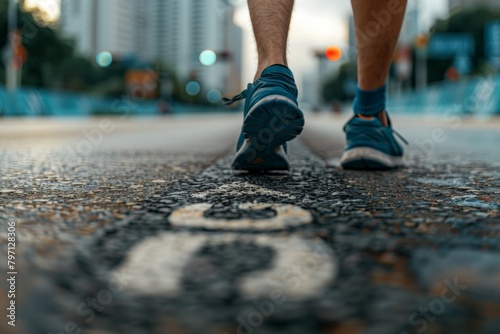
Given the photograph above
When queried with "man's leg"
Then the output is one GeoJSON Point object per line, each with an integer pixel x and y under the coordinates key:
{"type": "Point", "coordinates": [378, 24]}
{"type": "Point", "coordinates": [271, 115]}
{"type": "Point", "coordinates": [271, 22]}
{"type": "Point", "coordinates": [370, 138]}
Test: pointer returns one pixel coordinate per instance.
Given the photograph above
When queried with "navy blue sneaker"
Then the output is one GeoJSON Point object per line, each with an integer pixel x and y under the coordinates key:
{"type": "Point", "coordinates": [371, 145]}
{"type": "Point", "coordinates": [271, 118]}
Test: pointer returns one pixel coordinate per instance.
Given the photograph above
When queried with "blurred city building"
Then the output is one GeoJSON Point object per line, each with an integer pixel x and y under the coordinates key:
{"type": "Point", "coordinates": [327, 70]}
{"type": "Point", "coordinates": [116, 26]}
{"type": "Point", "coordinates": [172, 32]}
{"type": "Point", "coordinates": [182, 29]}
{"type": "Point", "coordinates": [459, 4]}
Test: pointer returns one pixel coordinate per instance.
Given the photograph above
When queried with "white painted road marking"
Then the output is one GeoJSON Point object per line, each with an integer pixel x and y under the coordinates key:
{"type": "Point", "coordinates": [300, 268]}
{"type": "Point", "coordinates": [286, 216]}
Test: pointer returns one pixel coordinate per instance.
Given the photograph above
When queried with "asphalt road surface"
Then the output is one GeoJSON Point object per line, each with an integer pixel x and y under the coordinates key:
{"type": "Point", "coordinates": [139, 226]}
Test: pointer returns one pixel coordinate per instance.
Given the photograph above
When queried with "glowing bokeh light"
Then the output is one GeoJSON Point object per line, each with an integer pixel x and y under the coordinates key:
{"type": "Point", "coordinates": [214, 96]}
{"type": "Point", "coordinates": [208, 57]}
{"type": "Point", "coordinates": [50, 9]}
{"type": "Point", "coordinates": [193, 88]}
{"type": "Point", "coordinates": [104, 59]}
{"type": "Point", "coordinates": [333, 53]}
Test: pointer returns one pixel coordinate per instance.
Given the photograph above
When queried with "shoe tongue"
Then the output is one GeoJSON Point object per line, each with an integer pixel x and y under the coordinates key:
{"type": "Point", "coordinates": [278, 69]}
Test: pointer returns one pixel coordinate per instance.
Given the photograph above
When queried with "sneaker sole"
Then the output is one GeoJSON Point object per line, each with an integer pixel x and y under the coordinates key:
{"type": "Point", "coordinates": [272, 122]}
{"type": "Point", "coordinates": [366, 158]}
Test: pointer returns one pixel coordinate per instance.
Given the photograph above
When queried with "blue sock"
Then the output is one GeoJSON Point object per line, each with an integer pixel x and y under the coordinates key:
{"type": "Point", "coordinates": [369, 102]}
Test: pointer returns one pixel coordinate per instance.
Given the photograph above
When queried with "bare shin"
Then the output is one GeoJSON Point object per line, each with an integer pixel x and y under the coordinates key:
{"type": "Point", "coordinates": [378, 24]}
{"type": "Point", "coordinates": [271, 22]}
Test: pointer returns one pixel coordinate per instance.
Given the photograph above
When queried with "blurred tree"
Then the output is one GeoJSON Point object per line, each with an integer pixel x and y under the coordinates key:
{"type": "Point", "coordinates": [3, 36]}
{"type": "Point", "coordinates": [340, 87]}
{"type": "Point", "coordinates": [46, 50]}
{"type": "Point", "coordinates": [3, 21]}
{"type": "Point", "coordinates": [52, 61]}
{"type": "Point", "coordinates": [470, 20]}
{"type": "Point", "coordinates": [78, 73]}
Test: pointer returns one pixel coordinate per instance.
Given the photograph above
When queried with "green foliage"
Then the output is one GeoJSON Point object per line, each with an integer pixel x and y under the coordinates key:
{"type": "Point", "coordinates": [4, 6]}
{"type": "Point", "coordinates": [336, 88]}
{"type": "Point", "coordinates": [46, 50]}
{"type": "Point", "coordinates": [3, 36]}
{"type": "Point", "coordinates": [52, 61]}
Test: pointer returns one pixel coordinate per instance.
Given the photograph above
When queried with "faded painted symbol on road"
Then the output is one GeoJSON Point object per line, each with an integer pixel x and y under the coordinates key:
{"type": "Point", "coordinates": [299, 268]}
{"type": "Point", "coordinates": [172, 264]}
{"type": "Point", "coordinates": [287, 216]}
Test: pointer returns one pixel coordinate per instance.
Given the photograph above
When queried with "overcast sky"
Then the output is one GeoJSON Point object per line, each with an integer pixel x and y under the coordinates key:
{"type": "Point", "coordinates": [317, 24]}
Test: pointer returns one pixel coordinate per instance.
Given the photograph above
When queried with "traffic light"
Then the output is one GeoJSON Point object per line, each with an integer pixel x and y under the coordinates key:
{"type": "Point", "coordinates": [421, 41]}
{"type": "Point", "coordinates": [333, 53]}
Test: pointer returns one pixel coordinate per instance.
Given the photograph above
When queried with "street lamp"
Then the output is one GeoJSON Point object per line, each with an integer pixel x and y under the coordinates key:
{"type": "Point", "coordinates": [12, 79]}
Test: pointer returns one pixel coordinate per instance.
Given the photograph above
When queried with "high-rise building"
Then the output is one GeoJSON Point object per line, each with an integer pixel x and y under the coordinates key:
{"type": "Point", "coordinates": [173, 32]}
{"type": "Point", "coordinates": [117, 26]}
{"type": "Point", "coordinates": [458, 4]}
{"type": "Point", "coordinates": [182, 29]}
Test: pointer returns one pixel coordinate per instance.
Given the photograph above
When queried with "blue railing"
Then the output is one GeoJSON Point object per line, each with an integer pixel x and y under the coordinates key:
{"type": "Point", "coordinates": [476, 96]}
{"type": "Point", "coordinates": [41, 102]}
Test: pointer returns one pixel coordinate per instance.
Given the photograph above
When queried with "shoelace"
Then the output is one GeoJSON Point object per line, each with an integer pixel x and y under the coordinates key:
{"type": "Point", "coordinates": [400, 137]}
{"type": "Point", "coordinates": [389, 121]}
{"type": "Point", "coordinates": [395, 132]}
{"type": "Point", "coordinates": [235, 98]}
{"type": "Point", "coordinates": [243, 94]}
{"type": "Point", "coordinates": [403, 139]}
{"type": "Point", "coordinates": [270, 78]}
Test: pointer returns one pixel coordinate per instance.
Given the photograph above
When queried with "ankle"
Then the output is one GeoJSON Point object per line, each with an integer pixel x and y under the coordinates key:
{"type": "Point", "coordinates": [382, 116]}
{"type": "Point", "coordinates": [265, 63]}
{"type": "Point", "coordinates": [369, 103]}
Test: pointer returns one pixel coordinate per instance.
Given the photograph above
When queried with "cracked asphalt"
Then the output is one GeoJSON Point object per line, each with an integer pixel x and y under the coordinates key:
{"type": "Point", "coordinates": [139, 226]}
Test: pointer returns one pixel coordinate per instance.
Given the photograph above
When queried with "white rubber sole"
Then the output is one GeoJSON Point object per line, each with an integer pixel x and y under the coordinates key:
{"type": "Point", "coordinates": [369, 158]}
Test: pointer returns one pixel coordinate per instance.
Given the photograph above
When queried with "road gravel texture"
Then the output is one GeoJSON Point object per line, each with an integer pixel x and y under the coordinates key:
{"type": "Point", "coordinates": [157, 242]}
